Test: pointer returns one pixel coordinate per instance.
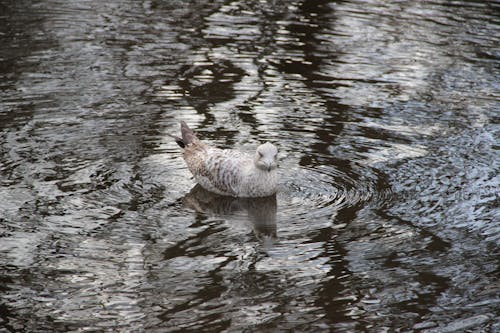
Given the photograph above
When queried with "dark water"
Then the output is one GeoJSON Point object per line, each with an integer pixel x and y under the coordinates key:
{"type": "Point", "coordinates": [386, 116]}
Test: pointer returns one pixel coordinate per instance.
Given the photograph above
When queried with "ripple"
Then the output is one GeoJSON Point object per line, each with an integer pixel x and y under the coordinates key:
{"type": "Point", "coordinates": [321, 191]}
{"type": "Point", "coordinates": [100, 229]}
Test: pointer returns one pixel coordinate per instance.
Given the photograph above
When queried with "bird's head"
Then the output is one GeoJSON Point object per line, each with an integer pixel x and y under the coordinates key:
{"type": "Point", "coordinates": [266, 157]}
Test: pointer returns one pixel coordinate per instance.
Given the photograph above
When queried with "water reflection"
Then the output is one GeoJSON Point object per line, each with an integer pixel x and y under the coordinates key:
{"type": "Point", "coordinates": [261, 212]}
{"type": "Point", "coordinates": [386, 114]}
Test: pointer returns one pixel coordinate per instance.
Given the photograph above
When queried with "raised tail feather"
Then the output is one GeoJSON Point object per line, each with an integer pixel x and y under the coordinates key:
{"type": "Point", "coordinates": [179, 142]}
{"type": "Point", "coordinates": [188, 135]}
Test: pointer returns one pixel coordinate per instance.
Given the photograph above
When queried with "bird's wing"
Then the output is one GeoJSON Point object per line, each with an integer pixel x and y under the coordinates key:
{"type": "Point", "coordinates": [224, 169]}
{"type": "Point", "coordinates": [217, 170]}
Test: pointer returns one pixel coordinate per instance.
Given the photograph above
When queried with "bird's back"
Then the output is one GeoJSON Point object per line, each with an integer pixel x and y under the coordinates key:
{"type": "Point", "coordinates": [217, 170]}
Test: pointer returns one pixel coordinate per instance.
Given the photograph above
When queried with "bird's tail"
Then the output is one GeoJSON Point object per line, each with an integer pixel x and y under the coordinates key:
{"type": "Point", "coordinates": [188, 136]}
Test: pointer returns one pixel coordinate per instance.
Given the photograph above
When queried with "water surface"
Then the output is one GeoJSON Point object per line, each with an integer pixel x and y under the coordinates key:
{"type": "Point", "coordinates": [386, 117]}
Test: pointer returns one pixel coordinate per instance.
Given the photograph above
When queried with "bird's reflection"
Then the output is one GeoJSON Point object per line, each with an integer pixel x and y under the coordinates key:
{"type": "Point", "coordinates": [261, 211]}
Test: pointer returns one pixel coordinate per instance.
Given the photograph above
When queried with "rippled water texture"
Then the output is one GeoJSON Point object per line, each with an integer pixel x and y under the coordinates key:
{"type": "Point", "coordinates": [386, 117]}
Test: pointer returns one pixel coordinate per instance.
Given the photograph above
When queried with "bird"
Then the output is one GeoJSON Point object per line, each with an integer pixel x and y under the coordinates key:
{"type": "Point", "coordinates": [230, 172]}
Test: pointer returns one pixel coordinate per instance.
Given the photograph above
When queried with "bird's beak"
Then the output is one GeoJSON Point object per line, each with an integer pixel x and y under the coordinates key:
{"type": "Point", "coordinates": [270, 166]}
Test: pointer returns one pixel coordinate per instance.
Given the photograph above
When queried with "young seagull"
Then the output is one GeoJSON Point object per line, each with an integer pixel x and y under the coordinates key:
{"type": "Point", "coordinates": [229, 172]}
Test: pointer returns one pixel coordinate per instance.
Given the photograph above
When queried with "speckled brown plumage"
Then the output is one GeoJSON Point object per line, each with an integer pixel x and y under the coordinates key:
{"type": "Point", "coordinates": [229, 172]}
